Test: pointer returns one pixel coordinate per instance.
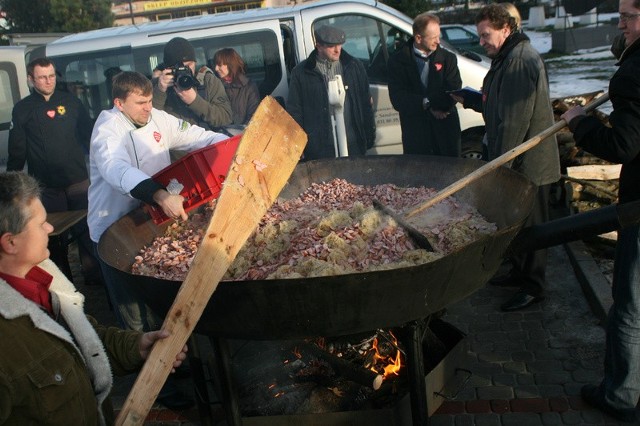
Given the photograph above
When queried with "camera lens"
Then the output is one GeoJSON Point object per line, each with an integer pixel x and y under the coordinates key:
{"type": "Point", "coordinates": [186, 82]}
{"type": "Point", "coordinates": [184, 78]}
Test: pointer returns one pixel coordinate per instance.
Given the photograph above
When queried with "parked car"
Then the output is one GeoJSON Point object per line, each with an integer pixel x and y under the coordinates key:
{"type": "Point", "coordinates": [462, 38]}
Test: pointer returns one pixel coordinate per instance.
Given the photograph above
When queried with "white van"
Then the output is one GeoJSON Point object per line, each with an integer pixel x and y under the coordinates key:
{"type": "Point", "coordinates": [13, 87]}
{"type": "Point", "coordinates": [270, 40]}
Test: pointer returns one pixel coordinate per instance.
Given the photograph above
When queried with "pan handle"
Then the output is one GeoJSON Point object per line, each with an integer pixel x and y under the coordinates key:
{"type": "Point", "coordinates": [501, 160]}
{"type": "Point", "coordinates": [576, 227]}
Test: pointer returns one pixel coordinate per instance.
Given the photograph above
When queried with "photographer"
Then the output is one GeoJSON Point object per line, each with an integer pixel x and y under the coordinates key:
{"type": "Point", "coordinates": [196, 98]}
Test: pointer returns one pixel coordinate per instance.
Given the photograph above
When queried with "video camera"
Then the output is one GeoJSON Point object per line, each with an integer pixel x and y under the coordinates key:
{"type": "Point", "coordinates": [182, 76]}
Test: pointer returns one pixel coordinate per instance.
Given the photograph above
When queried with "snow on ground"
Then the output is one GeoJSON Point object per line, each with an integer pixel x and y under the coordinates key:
{"type": "Point", "coordinates": [584, 71]}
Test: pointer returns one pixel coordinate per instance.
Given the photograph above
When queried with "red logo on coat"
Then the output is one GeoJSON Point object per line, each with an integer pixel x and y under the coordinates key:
{"type": "Point", "coordinates": [51, 113]}
{"type": "Point", "coordinates": [438, 66]}
{"type": "Point", "coordinates": [157, 136]}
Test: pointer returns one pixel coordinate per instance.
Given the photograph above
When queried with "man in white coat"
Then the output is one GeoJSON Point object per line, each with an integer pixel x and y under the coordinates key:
{"type": "Point", "coordinates": [130, 143]}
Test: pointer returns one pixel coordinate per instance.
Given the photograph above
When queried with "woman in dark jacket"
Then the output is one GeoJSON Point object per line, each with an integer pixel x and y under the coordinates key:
{"type": "Point", "coordinates": [242, 92]}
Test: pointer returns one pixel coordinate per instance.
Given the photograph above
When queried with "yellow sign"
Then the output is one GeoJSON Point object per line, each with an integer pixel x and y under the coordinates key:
{"type": "Point", "coordinates": [171, 4]}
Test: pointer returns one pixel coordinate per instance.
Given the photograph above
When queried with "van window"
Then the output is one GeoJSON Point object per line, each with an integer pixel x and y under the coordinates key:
{"type": "Point", "coordinates": [9, 93]}
{"type": "Point", "coordinates": [369, 40]}
{"type": "Point", "coordinates": [88, 75]}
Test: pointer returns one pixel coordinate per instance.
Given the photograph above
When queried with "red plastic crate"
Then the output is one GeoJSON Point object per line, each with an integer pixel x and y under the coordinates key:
{"type": "Point", "coordinates": [201, 172]}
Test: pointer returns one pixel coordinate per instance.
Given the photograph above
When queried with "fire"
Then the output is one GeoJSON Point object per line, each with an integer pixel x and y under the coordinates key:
{"type": "Point", "coordinates": [296, 353]}
{"type": "Point", "coordinates": [383, 358]}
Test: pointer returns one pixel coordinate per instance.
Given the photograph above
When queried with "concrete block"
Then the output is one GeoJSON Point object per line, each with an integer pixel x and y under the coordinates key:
{"type": "Point", "coordinates": [564, 20]}
{"type": "Point", "coordinates": [536, 17]}
{"type": "Point", "coordinates": [589, 18]}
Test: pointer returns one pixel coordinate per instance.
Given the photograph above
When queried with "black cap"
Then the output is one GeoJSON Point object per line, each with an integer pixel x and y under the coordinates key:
{"type": "Point", "coordinates": [327, 34]}
{"type": "Point", "coordinates": [177, 50]}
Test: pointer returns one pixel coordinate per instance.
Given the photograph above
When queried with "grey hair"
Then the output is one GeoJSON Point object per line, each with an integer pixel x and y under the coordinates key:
{"type": "Point", "coordinates": [17, 190]}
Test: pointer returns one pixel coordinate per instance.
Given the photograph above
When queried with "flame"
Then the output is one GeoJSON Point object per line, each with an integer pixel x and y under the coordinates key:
{"type": "Point", "coordinates": [389, 364]}
{"type": "Point", "coordinates": [297, 353]}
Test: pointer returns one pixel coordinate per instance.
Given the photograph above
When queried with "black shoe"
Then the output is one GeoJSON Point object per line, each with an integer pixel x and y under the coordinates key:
{"type": "Point", "coordinates": [506, 280]}
{"type": "Point", "coordinates": [591, 395]}
{"type": "Point", "coordinates": [520, 301]}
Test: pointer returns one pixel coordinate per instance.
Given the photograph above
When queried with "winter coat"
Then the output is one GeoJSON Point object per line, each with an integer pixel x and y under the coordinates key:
{"type": "Point", "coordinates": [52, 137]}
{"type": "Point", "coordinates": [123, 155]}
{"type": "Point", "coordinates": [516, 107]}
{"type": "Point", "coordinates": [422, 133]}
{"type": "Point", "coordinates": [619, 143]}
{"type": "Point", "coordinates": [210, 109]}
{"type": "Point", "coordinates": [308, 104]}
{"type": "Point", "coordinates": [244, 97]}
{"type": "Point", "coordinates": [55, 374]}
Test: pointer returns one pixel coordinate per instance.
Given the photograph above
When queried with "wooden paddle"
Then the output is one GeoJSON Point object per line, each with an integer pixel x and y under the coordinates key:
{"type": "Point", "coordinates": [268, 152]}
{"type": "Point", "coordinates": [501, 160]}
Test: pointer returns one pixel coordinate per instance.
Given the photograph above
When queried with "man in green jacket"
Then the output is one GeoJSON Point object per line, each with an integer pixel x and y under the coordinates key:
{"type": "Point", "coordinates": [515, 105]}
{"type": "Point", "coordinates": [56, 362]}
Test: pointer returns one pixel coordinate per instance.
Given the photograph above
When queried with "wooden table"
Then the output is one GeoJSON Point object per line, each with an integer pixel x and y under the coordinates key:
{"type": "Point", "coordinates": [62, 221]}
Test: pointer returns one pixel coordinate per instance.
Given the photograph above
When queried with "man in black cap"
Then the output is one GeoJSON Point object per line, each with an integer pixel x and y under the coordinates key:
{"type": "Point", "coordinates": [196, 98]}
{"type": "Point", "coordinates": [308, 101]}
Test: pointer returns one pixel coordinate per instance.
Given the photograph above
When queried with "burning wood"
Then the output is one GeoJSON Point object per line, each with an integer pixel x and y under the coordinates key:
{"type": "Point", "coordinates": [349, 370]}
{"type": "Point", "coordinates": [330, 229]}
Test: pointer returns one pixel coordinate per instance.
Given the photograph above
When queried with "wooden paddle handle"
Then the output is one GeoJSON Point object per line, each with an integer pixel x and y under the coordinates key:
{"type": "Point", "coordinates": [500, 161]}
{"type": "Point", "coordinates": [265, 158]}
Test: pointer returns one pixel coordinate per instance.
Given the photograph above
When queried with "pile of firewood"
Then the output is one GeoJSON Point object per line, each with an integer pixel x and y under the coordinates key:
{"type": "Point", "coordinates": [589, 182]}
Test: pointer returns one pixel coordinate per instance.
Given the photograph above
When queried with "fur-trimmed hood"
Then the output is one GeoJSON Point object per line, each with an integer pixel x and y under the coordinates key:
{"type": "Point", "coordinates": [83, 336]}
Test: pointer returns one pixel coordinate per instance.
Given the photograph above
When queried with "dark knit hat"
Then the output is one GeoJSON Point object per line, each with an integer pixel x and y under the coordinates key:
{"type": "Point", "coordinates": [327, 34]}
{"type": "Point", "coordinates": [177, 50]}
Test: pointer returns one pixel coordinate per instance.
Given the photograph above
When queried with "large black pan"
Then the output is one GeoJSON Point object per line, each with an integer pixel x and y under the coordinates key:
{"type": "Point", "coordinates": [346, 304]}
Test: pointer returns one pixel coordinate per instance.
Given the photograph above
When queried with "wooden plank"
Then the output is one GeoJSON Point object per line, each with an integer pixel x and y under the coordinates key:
{"type": "Point", "coordinates": [269, 151]}
{"type": "Point", "coordinates": [595, 171]}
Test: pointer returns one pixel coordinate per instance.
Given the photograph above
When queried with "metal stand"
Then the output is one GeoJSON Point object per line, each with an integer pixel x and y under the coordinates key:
{"type": "Point", "coordinates": [222, 359]}
{"type": "Point", "coordinates": [413, 334]}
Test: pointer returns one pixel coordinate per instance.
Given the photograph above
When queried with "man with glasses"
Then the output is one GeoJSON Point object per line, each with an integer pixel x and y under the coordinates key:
{"type": "Point", "coordinates": [617, 394]}
{"type": "Point", "coordinates": [50, 132]}
{"type": "Point", "coordinates": [420, 74]}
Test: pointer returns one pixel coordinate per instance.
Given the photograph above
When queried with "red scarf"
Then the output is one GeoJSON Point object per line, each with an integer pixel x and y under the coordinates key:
{"type": "Point", "coordinates": [35, 286]}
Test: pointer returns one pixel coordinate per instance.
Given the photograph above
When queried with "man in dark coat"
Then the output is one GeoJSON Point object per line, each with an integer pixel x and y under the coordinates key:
{"type": "Point", "coordinates": [617, 394]}
{"type": "Point", "coordinates": [515, 105]}
{"type": "Point", "coordinates": [308, 101]}
{"type": "Point", "coordinates": [50, 131]}
{"type": "Point", "coordinates": [420, 74]}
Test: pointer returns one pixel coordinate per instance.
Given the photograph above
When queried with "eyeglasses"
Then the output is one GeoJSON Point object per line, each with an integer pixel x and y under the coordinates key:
{"type": "Point", "coordinates": [626, 17]}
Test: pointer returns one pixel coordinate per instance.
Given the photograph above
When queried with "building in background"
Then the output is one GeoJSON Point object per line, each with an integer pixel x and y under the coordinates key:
{"type": "Point", "coordinates": [138, 11]}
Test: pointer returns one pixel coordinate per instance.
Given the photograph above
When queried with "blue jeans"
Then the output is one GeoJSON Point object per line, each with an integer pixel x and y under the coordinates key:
{"type": "Point", "coordinates": [621, 383]}
{"type": "Point", "coordinates": [131, 313]}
